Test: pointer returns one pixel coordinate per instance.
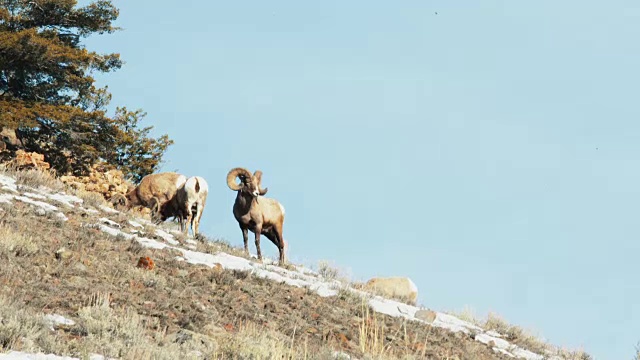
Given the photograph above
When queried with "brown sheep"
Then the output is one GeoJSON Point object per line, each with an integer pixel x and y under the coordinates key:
{"type": "Point", "coordinates": [154, 191]}
{"type": "Point", "coordinates": [253, 212]}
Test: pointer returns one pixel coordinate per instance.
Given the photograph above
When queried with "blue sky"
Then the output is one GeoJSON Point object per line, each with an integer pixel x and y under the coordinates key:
{"type": "Point", "coordinates": [489, 151]}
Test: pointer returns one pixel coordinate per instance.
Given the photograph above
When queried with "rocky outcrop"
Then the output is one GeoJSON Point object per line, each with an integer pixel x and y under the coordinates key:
{"type": "Point", "coordinates": [28, 160]}
{"type": "Point", "coordinates": [107, 182]}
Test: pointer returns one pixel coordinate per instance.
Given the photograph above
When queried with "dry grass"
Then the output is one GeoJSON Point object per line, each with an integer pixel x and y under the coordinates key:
{"type": "Point", "coordinates": [15, 243]}
{"type": "Point", "coordinates": [35, 178]}
{"type": "Point", "coordinates": [519, 336]}
{"type": "Point", "coordinates": [327, 271]}
{"type": "Point", "coordinates": [90, 198]}
{"type": "Point", "coordinates": [371, 334]}
{"type": "Point", "coordinates": [515, 334]}
{"type": "Point", "coordinates": [467, 314]}
{"type": "Point", "coordinates": [20, 329]}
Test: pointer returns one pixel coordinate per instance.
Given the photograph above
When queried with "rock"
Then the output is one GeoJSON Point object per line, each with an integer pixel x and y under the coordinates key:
{"type": "Point", "coordinates": [9, 138]}
{"type": "Point", "coordinates": [63, 254]}
{"type": "Point", "coordinates": [401, 288]}
{"type": "Point", "coordinates": [101, 179]}
{"type": "Point", "coordinates": [80, 267]}
{"type": "Point", "coordinates": [146, 262]}
{"type": "Point", "coordinates": [182, 336]}
{"type": "Point", "coordinates": [41, 212]}
{"type": "Point", "coordinates": [28, 160]}
{"type": "Point", "coordinates": [426, 315]}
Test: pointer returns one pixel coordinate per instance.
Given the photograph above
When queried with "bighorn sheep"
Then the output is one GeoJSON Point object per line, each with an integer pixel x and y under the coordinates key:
{"type": "Point", "coordinates": [188, 204]}
{"type": "Point", "coordinates": [401, 288]}
{"type": "Point", "coordinates": [253, 212]}
{"type": "Point", "coordinates": [154, 191]}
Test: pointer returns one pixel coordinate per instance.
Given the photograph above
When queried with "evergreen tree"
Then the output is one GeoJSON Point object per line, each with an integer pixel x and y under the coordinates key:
{"type": "Point", "coordinates": [48, 94]}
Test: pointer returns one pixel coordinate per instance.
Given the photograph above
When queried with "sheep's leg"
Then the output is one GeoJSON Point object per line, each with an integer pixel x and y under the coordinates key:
{"type": "Point", "coordinates": [187, 221]}
{"type": "Point", "coordinates": [181, 220]}
{"type": "Point", "coordinates": [156, 217]}
{"type": "Point", "coordinates": [275, 236]}
{"type": "Point", "coordinates": [281, 244]}
{"type": "Point", "coordinates": [245, 237]}
{"type": "Point", "coordinates": [257, 231]}
{"type": "Point", "coordinates": [200, 211]}
{"type": "Point", "coordinates": [194, 220]}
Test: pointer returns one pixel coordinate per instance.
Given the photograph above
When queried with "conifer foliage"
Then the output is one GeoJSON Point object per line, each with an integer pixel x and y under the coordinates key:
{"type": "Point", "coordinates": [48, 94]}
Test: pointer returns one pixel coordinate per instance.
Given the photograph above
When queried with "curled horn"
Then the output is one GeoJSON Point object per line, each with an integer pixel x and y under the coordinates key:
{"type": "Point", "coordinates": [258, 176]}
{"type": "Point", "coordinates": [233, 174]}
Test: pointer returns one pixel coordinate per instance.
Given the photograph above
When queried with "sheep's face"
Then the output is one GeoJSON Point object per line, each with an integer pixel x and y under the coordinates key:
{"type": "Point", "coordinates": [251, 186]}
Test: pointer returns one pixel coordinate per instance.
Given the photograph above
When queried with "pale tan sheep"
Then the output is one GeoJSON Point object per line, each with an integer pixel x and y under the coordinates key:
{"type": "Point", "coordinates": [154, 191]}
{"type": "Point", "coordinates": [401, 288]}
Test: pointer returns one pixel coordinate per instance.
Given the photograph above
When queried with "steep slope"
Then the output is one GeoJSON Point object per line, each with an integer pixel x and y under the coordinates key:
{"type": "Point", "coordinates": [74, 284]}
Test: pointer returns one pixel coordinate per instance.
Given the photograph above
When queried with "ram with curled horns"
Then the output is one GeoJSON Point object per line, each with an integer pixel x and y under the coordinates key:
{"type": "Point", "coordinates": [263, 216]}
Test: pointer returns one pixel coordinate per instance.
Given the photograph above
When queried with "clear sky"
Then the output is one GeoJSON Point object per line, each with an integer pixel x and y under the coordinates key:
{"type": "Point", "coordinates": [489, 151]}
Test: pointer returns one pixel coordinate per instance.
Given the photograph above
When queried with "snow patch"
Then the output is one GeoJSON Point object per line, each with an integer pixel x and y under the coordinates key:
{"type": "Point", "coordinates": [35, 196]}
{"type": "Point", "coordinates": [8, 183]}
{"type": "Point", "coordinates": [115, 232]}
{"type": "Point", "coordinates": [108, 210]}
{"type": "Point", "coordinates": [40, 204]}
{"type": "Point", "coordinates": [166, 237]}
{"type": "Point", "coordinates": [43, 205]}
{"type": "Point", "coordinates": [55, 319]}
{"type": "Point", "coordinates": [109, 222]}
{"type": "Point", "coordinates": [150, 243]}
{"type": "Point", "coordinates": [90, 211]}
{"type": "Point", "coordinates": [68, 200]}
{"type": "Point", "coordinates": [135, 224]}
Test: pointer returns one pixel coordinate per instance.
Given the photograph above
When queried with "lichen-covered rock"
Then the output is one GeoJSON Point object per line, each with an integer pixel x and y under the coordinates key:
{"type": "Point", "coordinates": [101, 179]}
{"type": "Point", "coordinates": [28, 160]}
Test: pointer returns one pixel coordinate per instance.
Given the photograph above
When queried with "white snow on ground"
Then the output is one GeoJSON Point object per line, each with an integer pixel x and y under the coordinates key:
{"type": "Point", "coordinates": [68, 200]}
{"type": "Point", "coordinates": [43, 205]}
{"type": "Point", "coordinates": [135, 224]}
{"type": "Point", "coordinates": [56, 320]}
{"type": "Point", "coordinates": [8, 183]}
{"type": "Point", "coordinates": [299, 277]}
{"type": "Point", "coordinates": [166, 237]}
{"type": "Point", "coordinates": [109, 222]}
{"type": "Point", "coordinates": [35, 196]}
{"type": "Point", "coordinates": [108, 209]}
{"type": "Point", "coordinates": [6, 198]}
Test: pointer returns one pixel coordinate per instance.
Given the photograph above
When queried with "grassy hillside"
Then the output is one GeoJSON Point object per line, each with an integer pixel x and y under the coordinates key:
{"type": "Point", "coordinates": [71, 285]}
